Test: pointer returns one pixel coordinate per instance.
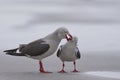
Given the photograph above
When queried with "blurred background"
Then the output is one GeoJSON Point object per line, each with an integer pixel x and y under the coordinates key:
{"type": "Point", "coordinates": [95, 22]}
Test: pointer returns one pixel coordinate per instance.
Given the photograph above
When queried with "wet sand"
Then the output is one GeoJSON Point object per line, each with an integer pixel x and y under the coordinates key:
{"type": "Point", "coordinates": [21, 68]}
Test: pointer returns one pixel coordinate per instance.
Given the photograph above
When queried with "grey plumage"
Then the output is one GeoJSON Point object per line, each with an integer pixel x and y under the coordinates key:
{"type": "Point", "coordinates": [69, 52]}
{"type": "Point", "coordinates": [59, 51]}
{"type": "Point", "coordinates": [35, 48]}
{"type": "Point", "coordinates": [41, 48]}
{"type": "Point", "coordinates": [78, 55]}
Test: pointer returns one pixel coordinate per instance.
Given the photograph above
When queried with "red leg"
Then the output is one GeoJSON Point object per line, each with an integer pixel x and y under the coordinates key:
{"type": "Point", "coordinates": [42, 68]}
{"type": "Point", "coordinates": [62, 71]}
{"type": "Point", "coordinates": [75, 70]}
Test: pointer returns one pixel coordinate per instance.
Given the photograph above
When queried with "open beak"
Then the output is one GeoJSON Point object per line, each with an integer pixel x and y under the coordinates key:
{"type": "Point", "coordinates": [68, 36]}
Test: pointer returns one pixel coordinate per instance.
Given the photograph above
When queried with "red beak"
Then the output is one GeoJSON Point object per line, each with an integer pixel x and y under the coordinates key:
{"type": "Point", "coordinates": [68, 36]}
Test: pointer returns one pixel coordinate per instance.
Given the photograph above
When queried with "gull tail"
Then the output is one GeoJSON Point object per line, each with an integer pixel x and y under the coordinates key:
{"type": "Point", "coordinates": [13, 52]}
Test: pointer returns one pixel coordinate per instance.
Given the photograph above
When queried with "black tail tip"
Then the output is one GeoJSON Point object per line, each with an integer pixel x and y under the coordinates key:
{"type": "Point", "coordinates": [11, 50]}
{"type": "Point", "coordinates": [5, 51]}
{"type": "Point", "coordinates": [8, 53]}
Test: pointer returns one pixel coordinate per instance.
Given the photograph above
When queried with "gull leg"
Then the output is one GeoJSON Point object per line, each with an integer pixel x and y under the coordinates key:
{"type": "Point", "coordinates": [41, 69]}
{"type": "Point", "coordinates": [62, 71]}
{"type": "Point", "coordinates": [75, 70]}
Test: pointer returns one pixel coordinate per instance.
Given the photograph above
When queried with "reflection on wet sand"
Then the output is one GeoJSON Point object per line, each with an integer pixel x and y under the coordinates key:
{"type": "Point", "coordinates": [106, 74]}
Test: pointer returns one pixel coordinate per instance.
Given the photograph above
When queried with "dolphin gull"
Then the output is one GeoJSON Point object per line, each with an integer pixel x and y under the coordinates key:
{"type": "Point", "coordinates": [69, 52]}
{"type": "Point", "coordinates": [42, 48]}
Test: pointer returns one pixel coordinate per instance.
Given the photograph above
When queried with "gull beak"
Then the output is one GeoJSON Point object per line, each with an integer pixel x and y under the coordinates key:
{"type": "Point", "coordinates": [68, 36]}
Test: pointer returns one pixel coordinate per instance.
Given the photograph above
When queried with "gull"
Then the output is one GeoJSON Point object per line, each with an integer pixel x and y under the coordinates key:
{"type": "Point", "coordinates": [42, 48]}
{"type": "Point", "coordinates": [69, 52]}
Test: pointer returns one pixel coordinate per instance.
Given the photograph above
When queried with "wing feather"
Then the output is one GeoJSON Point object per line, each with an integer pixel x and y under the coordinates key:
{"type": "Point", "coordinates": [36, 48]}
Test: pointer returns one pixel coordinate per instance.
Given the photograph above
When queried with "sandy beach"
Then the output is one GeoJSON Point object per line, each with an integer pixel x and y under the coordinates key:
{"type": "Point", "coordinates": [15, 68]}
